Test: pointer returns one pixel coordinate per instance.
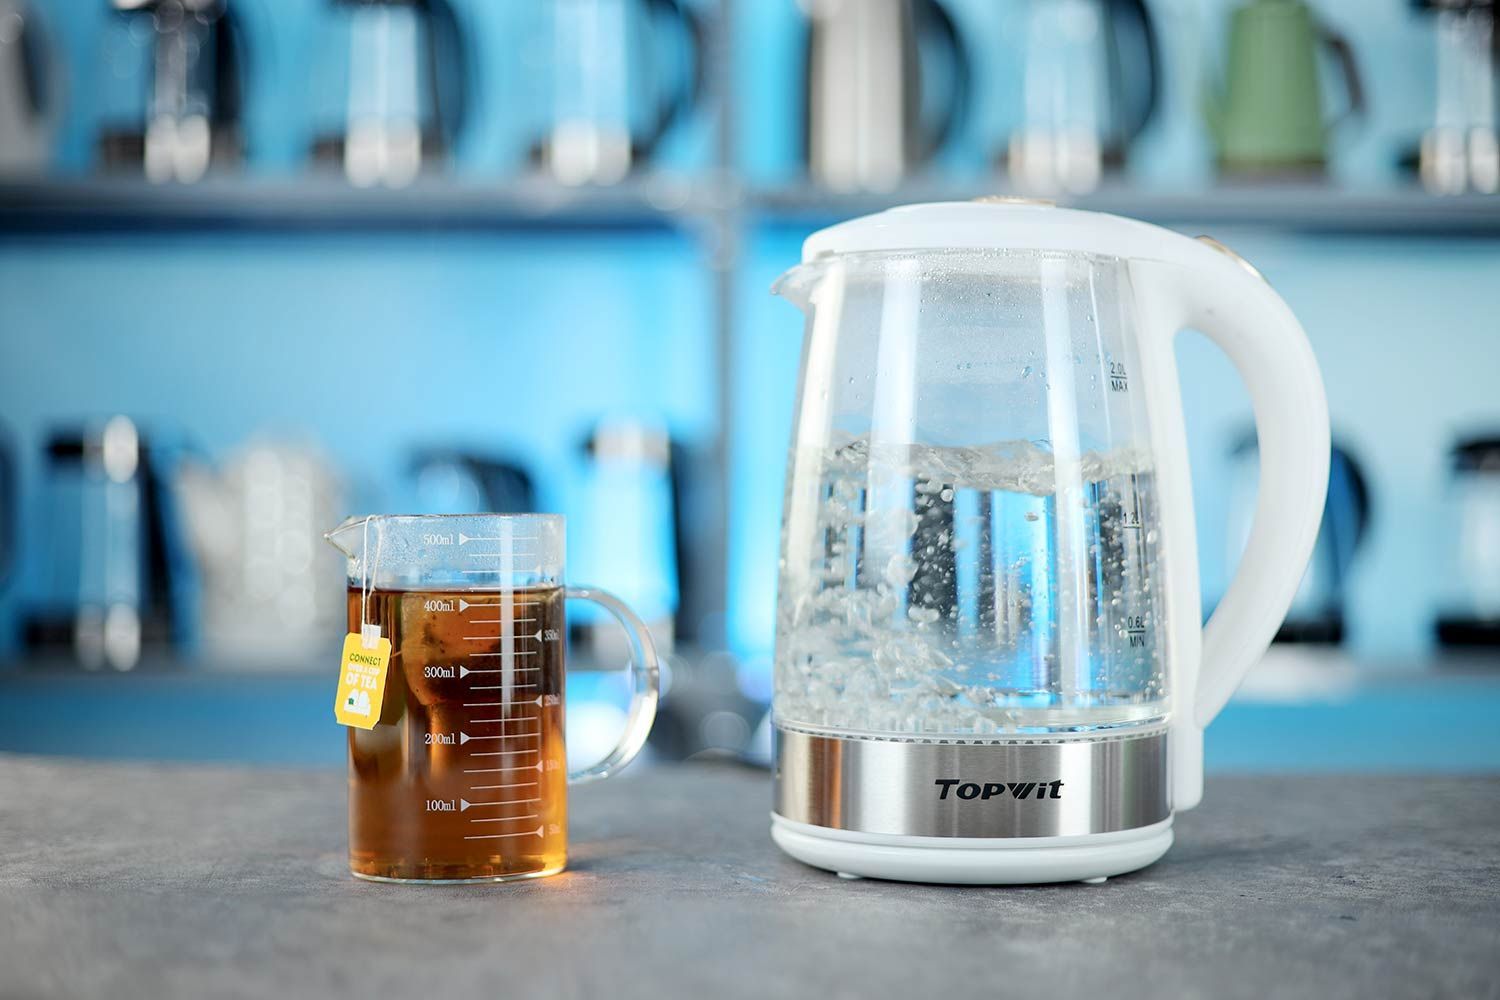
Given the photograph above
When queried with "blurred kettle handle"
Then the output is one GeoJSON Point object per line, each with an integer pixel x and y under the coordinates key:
{"type": "Point", "coordinates": [1138, 117]}
{"type": "Point", "coordinates": [690, 91]}
{"type": "Point", "coordinates": [10, 513]}
{"type": "Point", "coordinates": [1354, 87]}
{"type": "Point", "coordinates": [963, 75]}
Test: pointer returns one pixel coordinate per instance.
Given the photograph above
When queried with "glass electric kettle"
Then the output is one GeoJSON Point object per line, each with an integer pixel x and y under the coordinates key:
{"type": "Point", "coordinates": [989, 662]}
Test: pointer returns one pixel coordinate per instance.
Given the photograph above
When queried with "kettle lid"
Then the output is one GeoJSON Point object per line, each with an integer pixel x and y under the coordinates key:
{"type": "Point", "coordinates": [991, 224]}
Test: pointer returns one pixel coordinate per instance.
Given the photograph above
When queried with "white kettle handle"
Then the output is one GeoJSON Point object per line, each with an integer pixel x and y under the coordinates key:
{"type": "Point", "coordinates": [1205, 287]}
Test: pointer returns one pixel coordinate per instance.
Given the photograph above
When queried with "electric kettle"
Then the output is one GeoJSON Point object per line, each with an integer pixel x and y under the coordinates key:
{"type": "Point", "coordinates": [31, 91]}
{"type": "Point", "coordinates": [624, 74]}
{"type": "Point", "coordinates": [1318, 612]}
{"type": "Point", "coordinates": [172, 101]}
{"type": "Point", "coordinates": [866, 80]}
{"type": "Point", "coordinates": [1270, 118]}
{"type": "Point", "coordinates": [1092, 78]}
{"type": "Point", "coordinates": [1469, 605]}
{"type": "Point", "coordinates": [989, 664]}
{"type": "Point", "coordinates": [391, 91]}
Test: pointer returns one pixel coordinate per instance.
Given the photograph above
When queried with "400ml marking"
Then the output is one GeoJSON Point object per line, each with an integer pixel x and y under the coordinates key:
{"type": "Point", "coordinates": [988, 790]}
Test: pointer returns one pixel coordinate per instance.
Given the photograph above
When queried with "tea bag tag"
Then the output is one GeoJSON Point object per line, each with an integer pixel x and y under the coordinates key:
{"type": "Point", "coordinates": [362, 678]}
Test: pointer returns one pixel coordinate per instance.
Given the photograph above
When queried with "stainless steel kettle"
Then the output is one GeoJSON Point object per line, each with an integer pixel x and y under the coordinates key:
{"type": "Point", "coordinates": [1092, 80]}
{"type": "Point", "coordinates": [865, 88]}
{"type": "Point", "coordinates": [188, 63]}
{"type": "Point", "coordinates": [391, 96]}
{"type": "Point", "coordinates": [31, 86]}
{"type": "Point", "coordinates": [615, 96]}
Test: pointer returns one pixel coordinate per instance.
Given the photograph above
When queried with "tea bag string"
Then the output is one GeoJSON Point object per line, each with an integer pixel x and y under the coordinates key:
{"type": "Point", "coordinates": [367, 583]}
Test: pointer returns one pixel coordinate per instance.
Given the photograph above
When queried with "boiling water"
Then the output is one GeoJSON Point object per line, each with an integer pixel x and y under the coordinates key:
{"type": "Point", "coordinates": [968, 591]}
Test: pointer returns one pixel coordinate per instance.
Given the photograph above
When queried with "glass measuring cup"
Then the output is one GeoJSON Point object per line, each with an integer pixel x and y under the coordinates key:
{"type": "Point", "coordinates": [464, 777]}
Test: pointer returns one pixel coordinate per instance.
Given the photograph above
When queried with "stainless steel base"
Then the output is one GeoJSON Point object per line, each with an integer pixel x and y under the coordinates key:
{"type": "Point", "coordinates": [927, 788]}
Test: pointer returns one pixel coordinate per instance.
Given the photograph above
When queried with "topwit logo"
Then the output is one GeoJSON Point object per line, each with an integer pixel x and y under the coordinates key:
{"type": "Point", "coordinates": [967, 790]}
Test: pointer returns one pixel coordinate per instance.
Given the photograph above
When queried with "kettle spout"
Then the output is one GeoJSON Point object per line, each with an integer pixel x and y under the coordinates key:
{"type": "Point", "coordinates": [796, 285]}
{"type": "Point", "coordinates": [349, 537]}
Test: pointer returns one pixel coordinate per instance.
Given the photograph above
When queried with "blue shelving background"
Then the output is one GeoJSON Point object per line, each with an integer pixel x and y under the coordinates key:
{"type": "Point", "coordinates": [519, 337]}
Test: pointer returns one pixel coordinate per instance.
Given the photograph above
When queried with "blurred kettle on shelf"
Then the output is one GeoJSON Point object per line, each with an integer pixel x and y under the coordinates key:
{"type": "Point", "coordinates": [392, 87]}
{"type": "Point", "coordinates": [1460, 151]}
{"type": "Point", "coordinates": [271, 590]}
{"type": "Point", "coordinates": [184, 59]}
{"type": "Point", "coordinates": [449, 481]}
{"type": "Point", "coordinates": [866, 86]}
{"type": "Point", "coordinates": [31, 91]}
{"type": "Point", "coordinates": [10, 512]}
{"type": "Point", "coordinates": [630, 536]}
{"type": "Point", "coordinates": [1092, 78]}
{"type": "Point", "coordinates": [1469, 606]}
{"type": "Point", "coordinates": [1270, 118]}
{"type": "Point", "coordinates": [624, 73]}
{"type": "Point", "coordinates": [1317, 614]}
{"type": "Point", "coordinates": [113, 564]}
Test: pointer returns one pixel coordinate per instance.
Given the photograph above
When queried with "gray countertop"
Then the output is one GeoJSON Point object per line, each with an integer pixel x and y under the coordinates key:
{"type": "Point", "coordinates": [159, 880]}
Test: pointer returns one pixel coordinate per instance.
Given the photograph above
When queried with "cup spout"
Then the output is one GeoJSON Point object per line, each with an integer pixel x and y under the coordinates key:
{"type": "Point", "coordinates": [349, 537]}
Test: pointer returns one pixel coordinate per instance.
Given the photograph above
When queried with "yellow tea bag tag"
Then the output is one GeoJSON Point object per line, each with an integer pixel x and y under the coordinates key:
{"type": "Point", "coordinates": [362, 678]}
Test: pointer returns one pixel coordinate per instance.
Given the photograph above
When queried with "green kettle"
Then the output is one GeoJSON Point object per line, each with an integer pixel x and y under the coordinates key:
{"type": "Point", "coordinates": [1269, 117]}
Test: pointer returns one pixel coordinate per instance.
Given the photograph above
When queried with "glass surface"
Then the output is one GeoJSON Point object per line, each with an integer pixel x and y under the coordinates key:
{"type": "Point", "coordinates": [970, 534]}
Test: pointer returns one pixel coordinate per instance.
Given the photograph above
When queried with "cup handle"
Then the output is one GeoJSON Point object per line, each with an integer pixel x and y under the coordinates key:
{"type": "Point", "coordinates": [645, 672]}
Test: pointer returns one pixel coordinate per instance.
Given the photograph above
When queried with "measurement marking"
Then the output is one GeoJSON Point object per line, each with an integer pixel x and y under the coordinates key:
{"type": "Point", "coordinates": [492, 638]}
{"type": "Point", "coordinates": [486, 788]}
{"type": "Point", "coordinates": [505, 819]}
{"type": "Point", "coordinates": [496, 621]}
{"type": "Point", "coordinates": [502, 753]}
{"type": "Point", "coordinates": [466, 738]}
{"type": "Point", "coordinates": [501, 770]}
{"type": "Point", "coordinates": [505, 569]}
{"type": "Point", "coordinates": [464, 805]}
{"type": "Point", "coordinates": [464, 605]}
{"type": "Point", "coordinates": [497, 687]}
{"type": "Point", "coordinates": [475, 722]}
{"type": "Point", "coordinates": [495, 836]}
{"type": "Point", "coordinates": [464, 539]}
